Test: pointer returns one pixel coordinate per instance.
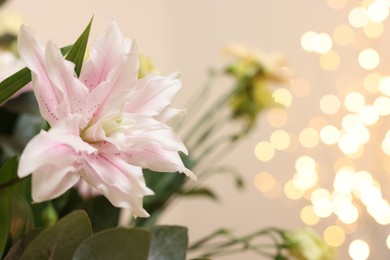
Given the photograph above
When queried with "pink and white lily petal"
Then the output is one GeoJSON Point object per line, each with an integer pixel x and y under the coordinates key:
{"type": "Point", "coordinates": [152, 95]}
{"type": "Point", "coordinates": [54, 159]}
{"type": "Point", "coordinates": [159, 160]}
{"type": "Point", "coordinates": [122, 184]}
{"type": "Point", "coordinates": [105, 55]}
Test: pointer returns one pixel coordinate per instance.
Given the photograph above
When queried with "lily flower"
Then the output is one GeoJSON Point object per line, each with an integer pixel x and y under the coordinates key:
{"type": "Point", "coordinates": [105, 124]}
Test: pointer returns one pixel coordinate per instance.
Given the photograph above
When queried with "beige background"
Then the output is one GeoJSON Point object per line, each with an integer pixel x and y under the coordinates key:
{"type": "Point", "coordinates": [187, 36]}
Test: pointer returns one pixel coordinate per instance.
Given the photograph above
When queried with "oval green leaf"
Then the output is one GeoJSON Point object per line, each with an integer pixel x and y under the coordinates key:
{"type": "Point", "coordinates": [61, 240]}
{"type": "Point", "coordinates": [115, 244]}
{"type": "Point", "coordinates": [168, 243]}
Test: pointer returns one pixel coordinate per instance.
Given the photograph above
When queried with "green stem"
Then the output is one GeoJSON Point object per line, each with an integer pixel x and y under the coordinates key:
{"type": "Point", "coordinates": [11, 182]}
{"type": "Point", "coordinates": [211, 112]}
{"type": "Point", "coordinates": [208, 133]}
{"type": "Point", "coordinates": [200, 97]}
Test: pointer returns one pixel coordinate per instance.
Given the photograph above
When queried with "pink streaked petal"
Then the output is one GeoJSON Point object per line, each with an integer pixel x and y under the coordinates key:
{"type": "Point", "coordinates": [67, 132]}
{"type": "Point", "coordinates": [106, 54]}
{"type": "Point", "coordinates": [153, 94]}
{"type": "Point", "coordinates": [62, 75]}
{"type": "Point", "coordinates": [116, 172]}
{"type": "Point", "coordinates": [49, 182]}
{"type": "Point", "coordinates": [41, 151]}
{"type": "Point", "coordinates": [147, 131]}
{"type": "Point", "coordinates": [106, 181]}
{"type": "Point", "coordinates": [33, 53]}
{"type": "Point", "coordinates": [158, 160]}
{"type": "Point", "coordinates": [86, 191]}
{"type": "Point", "coordinates": [109, 96]}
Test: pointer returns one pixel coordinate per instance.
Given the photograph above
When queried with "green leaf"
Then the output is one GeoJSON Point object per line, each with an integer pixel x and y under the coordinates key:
{"type": "Point", "coordinates": [61, 240]}
{"type": "Point", "coordinates": [168, 243]}
{"type": "Point", "coordinates": [13, 83]}
{"type": "Point", "coordinates": [5, 219]}
{"type": "Point", "coordinates": [77, 52]}
{"type": "Point", "coordinates": [17, 249]}
{"type": "Point", "coordinates": [115, 244]}
{"type": "Point", "coordinates": [8, 172]}
{"type": "Point", "coordinates": [200, 192]}
{"type": "Point", "coordinates": [101, 212]}
{"type": "Point", "coordinates": [22, 220]}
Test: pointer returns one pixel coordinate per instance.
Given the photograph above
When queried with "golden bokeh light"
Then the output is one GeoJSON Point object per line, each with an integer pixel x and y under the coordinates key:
{"type": "Point", "coordinates": [385, 145]}
{"type": "Point", "coordinates": [343, 35]}
{"type": "Point", "coordinates": [336, 4]}
{"type": "Point", "coordinates": [358, 17]}
{"type": "Point", "coordinates": [380, 211]}
{"type": "Point", "coordinates": [330, 61]}
{"type": "Point", "coordinates": [348, 144]}
{"type": "Point", "coordinates": [354, 101]}
{"type": "Point", "coordinates": [388, 241]}
{"type": "Point", "coordinates": [264, 151]}
{"type": "Point", "coordinates": [350, 122]}
{"type": "Point", "coordinates": [384, 85]}
{"type": "Point", "coordinates": [343, 162]}
{"type": "Point", "coordinates": [305, 163]}
{"type": "Point", "coordinates": [343, 182]}
{"type": "Point", "coordinates": [378, 11]}
{"type": "Point", "coordinates": [291, 191]}
{"type": "Point", "coordinates": [282, 96]}
{"type": "Point", "coordinates": [368, 115]}
{"type": "Point", "coordinates": [319, 194]}
{"type": "Point", "coordinates": [370, 195]}
{"type": "Point", "coordinates": [329, 104]}
{"type": "Point", "coordinates": [361, 181]}
{"type": "Point", "coordinates": [305, 180]}
{"type": "Point", "coordinates": [369, 59]}
{"type": "Point", "coordinates": [308, 216]}
{"type": "Point", "coordinates": [274, 192]}
{"type": "Point", "coordinates": [280, 140]}
{"type": "Point", "coordinates": [323, 207]}
{"type": "Point", "coordinates": [309, 137]}
{"type": "Point", "coordinates": [373, 29]}
{"type": "Point", "coordinates": [371, 82]}
{"type": "Point", "coordinates": [329, 135]}
{"type": "Point", "coordinates": [334, 236]}
{"type": "Point", "coordinates": [359, 250]}
{"type": "Point", "coordinates": [382, 105]}
{"type": "Point", "coordinates": [277, 117]}
{"type": "Point", "coordinates": [264, 182]}
{"type": "Point", "coordinates": [320, 43]}
{"type": "Point", "coordinates": [307, 41]}
{"type": "Point", "coordinates": [348, 214]}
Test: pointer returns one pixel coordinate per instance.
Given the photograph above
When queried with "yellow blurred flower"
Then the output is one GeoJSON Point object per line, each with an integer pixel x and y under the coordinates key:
{"type": "Point", "coordinates": [254, 71]}
{"type": "Point", "coordinates": [146, 66]}
{"type": "Point", "coordinates": [305, 244]}
{"type": "Point", "coordinates": [10, 22]}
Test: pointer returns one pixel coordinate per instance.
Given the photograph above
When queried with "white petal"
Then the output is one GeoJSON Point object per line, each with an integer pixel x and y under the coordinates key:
{"type": "Point", "coordinates": [158, 160]}
{"type": "Point", "coordinates": [59, 147]}
{"type": "Point", "coordinates": [62, 75]}
{"type": "Point", "coordinates": [49, 182]}
{"type": "Point", "coordinates": [106, 54]}
{"type": "Point", "coordinates": [108, 98]}
{"type": "Point", "coordinates": [48, 96]}
{"type": "Point", "coordinates": [122, 184]}
{"type": "Point", "coordinates": [153, 94]}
